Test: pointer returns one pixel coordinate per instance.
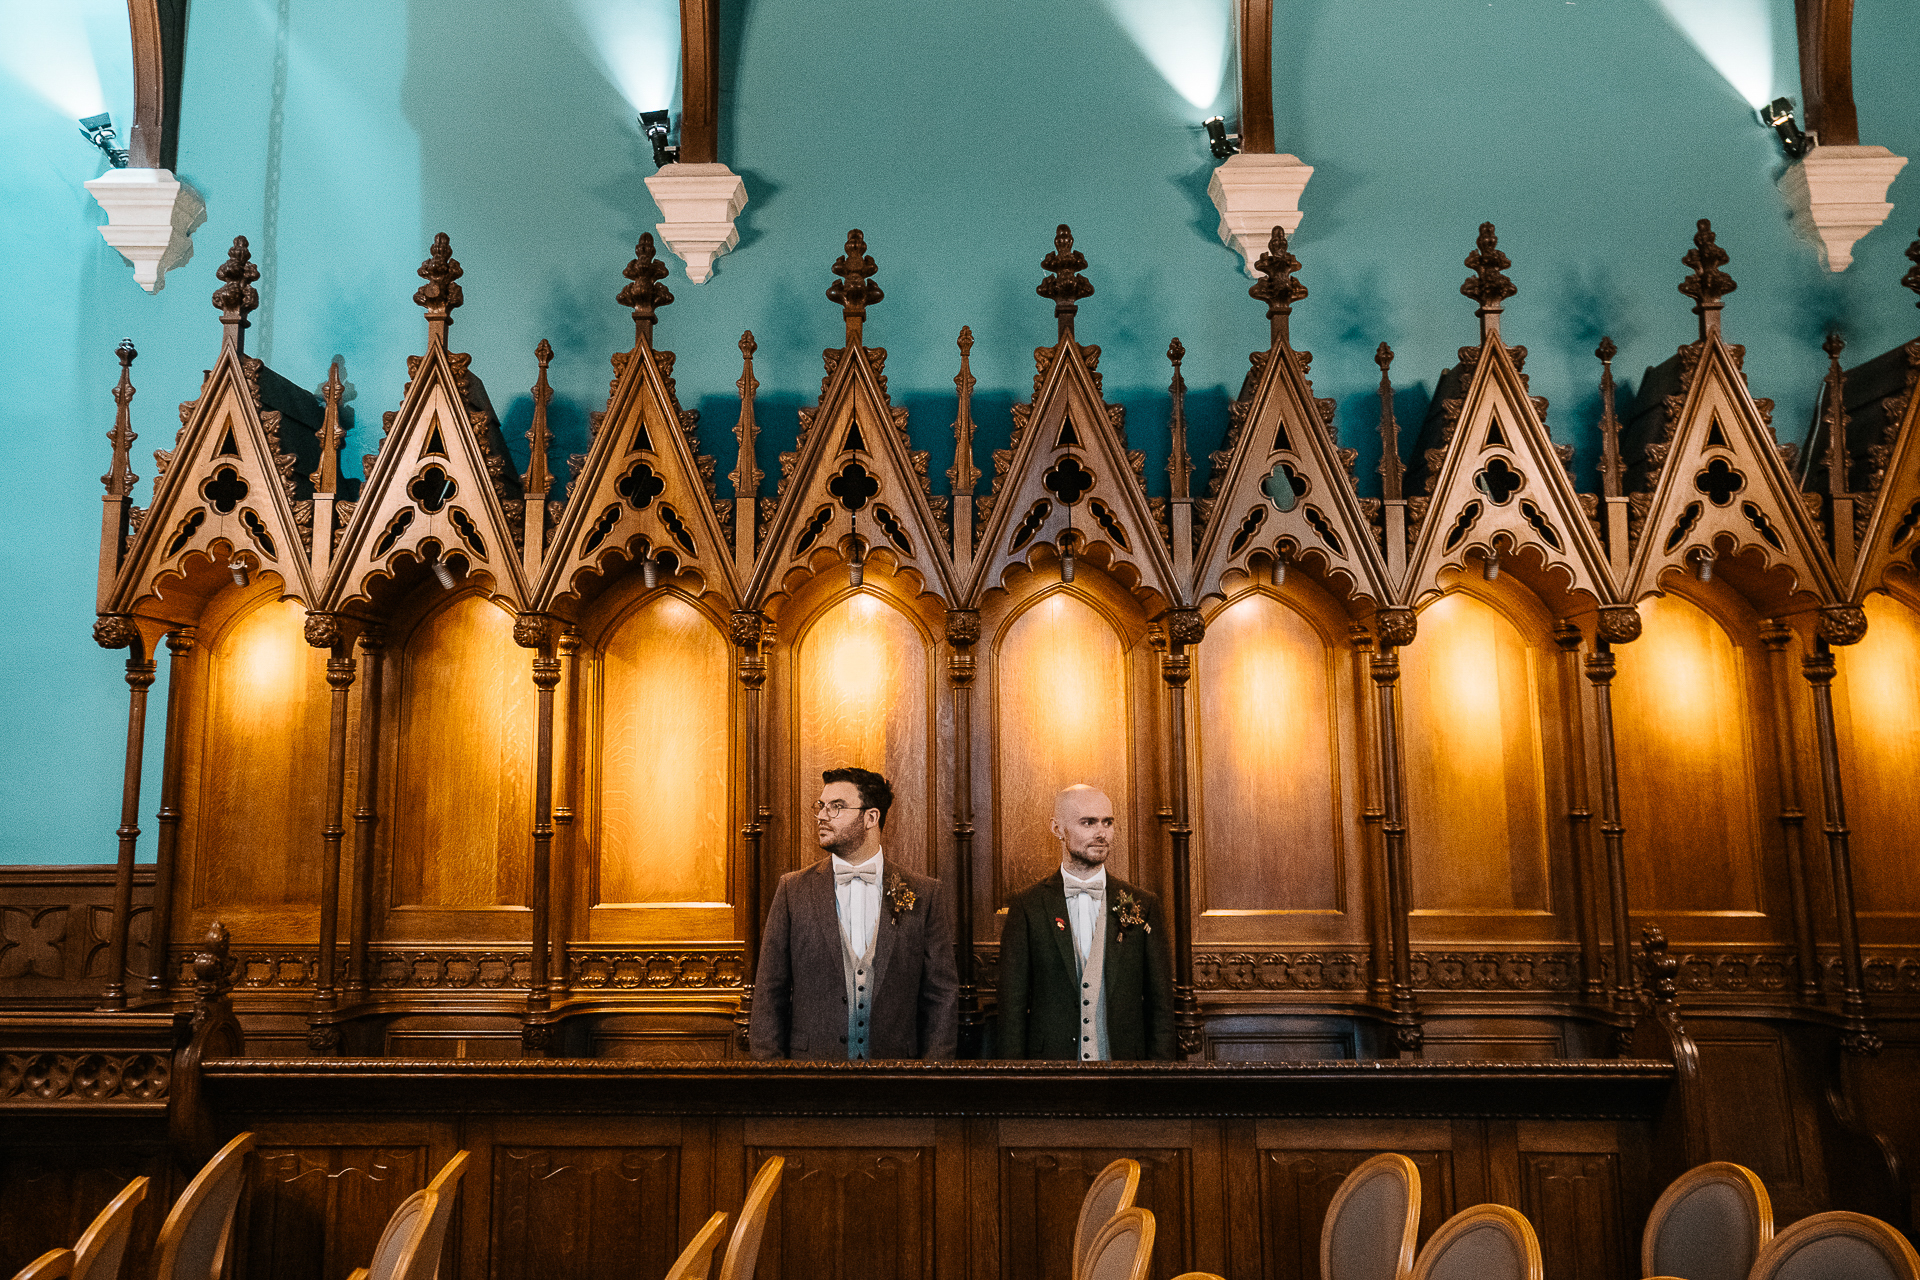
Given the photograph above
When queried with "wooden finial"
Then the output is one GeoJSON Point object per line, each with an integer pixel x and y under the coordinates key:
{"type": "Point", "coordinates": [855, 290]}
{"type": "Point", "coordinates": [963, 474]}
{"type": "Point", "coordinates": [1911, 280]}
{"type": "Point", "coordinates": [1708, 284]}
{"type": "Point", "coordinates": [644, 292]}
{"type": "Point", "coordinates": [1276, 286]}
{"type": "Point", "coordinates": [538, 481]}
{"type": "Point", "coordinates": [1613, 470]}
{"type": "Point", "coordinates": [1179, 465]}
{"type": "Point", "coordinates": [1836, 417]}
{"type": "Point", "coordinates": [439, 295]}
{"type": "Point", "coordinates": [119, 480]}
{"type": "Point", "coordinates": [1488, 285]}
{"type": "Point", "coordinates": [327, 478]}
{"type": "Point", "coordinates": [1066, 286]}
{"type": "Point", "coordinates": [236, 296]}
{"type": "Point", "coordinates": [1392, 469]}
{"type": "Point", "coordinates": [746, 475]}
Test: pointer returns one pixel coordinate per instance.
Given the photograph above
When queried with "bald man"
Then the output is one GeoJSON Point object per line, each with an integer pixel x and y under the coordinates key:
{"type": "Point", "coordinates": [1085, 959]}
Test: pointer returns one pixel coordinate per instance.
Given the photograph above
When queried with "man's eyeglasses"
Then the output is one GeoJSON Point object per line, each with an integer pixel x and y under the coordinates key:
{"type": "Point", "coordinates": [834, 808]}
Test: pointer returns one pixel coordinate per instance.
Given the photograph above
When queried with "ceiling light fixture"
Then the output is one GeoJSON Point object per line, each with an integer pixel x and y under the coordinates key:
{"type": "Point", "coordinates": [99, 131]}
{"type": "Point", "coordinates": [242, 571]}
{"type": "Point", "coordinates": [1778, 116]}
{"type": "Point", "coordinates": [657, 125]}
{"type": "Point", "coordinates": [1219, 141]}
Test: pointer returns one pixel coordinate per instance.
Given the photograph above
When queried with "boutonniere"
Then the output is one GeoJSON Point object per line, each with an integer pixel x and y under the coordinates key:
{"type": "Point", "coordinates": [1059, 923]}
{"type": "Point", "coordinates": [899, 896]}
{"type": "Point", "coordinates": [1128, 912]}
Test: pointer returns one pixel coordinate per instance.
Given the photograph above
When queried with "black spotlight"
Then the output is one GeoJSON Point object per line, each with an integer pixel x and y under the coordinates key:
{"type": "Point", "coordinates": [656, 125]}
{"type": "Point", "coordinates": [1219, 141]}
{"type": "Point", "coordinates": [99, 131]}
{"type": "Point", "coordinates": [1778, 116]}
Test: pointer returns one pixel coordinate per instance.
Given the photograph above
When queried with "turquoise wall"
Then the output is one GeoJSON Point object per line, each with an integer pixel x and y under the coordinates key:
{"type": "Point", "coordinates": [340, 137]}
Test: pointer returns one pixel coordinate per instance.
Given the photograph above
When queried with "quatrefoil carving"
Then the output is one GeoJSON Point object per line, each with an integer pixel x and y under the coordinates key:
{"type": "Point", "coordinates": [1719, 482]}
{"type": "Point", "coordinates": [1285, 487]}
{"type": "Point", "coordinates": [1499, 481]}
{"type": "Point", "coordinates": [433, 489]}
{"type": "Point", "coordinates": [854, 486]}
{"type": "Point", "coordinates": [640, 486]}
{"type": "Point", "coordinates": [1068, 480]}
{"type": "Point", "coordinates": [224, 489]}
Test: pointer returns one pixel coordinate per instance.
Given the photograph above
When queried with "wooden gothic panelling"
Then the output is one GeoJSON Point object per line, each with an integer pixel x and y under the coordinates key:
{"type": "Point", "coordinates": [1889, 547]}
{"type": "Point", "coordinates": [227, 493]}
{"type": "Point", "coordinates": [1282, 488]}
{"type": "Point", "coordinates": [642, 492]}
{"type": "Point", "coordinates": [440, 483]}
{"type": "Point", "coordinates": [1068, 467]}
{"type": "Point", "coordinates": [1877, 703]}
{"type": "Point", "coordinates": [853, 485]}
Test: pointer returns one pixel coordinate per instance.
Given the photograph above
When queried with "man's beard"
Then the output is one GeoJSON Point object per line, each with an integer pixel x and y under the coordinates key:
{"type": "Point", "coordinates": [841, 845]}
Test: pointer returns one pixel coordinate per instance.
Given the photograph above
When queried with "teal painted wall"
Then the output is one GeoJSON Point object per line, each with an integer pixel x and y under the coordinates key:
{"type": "Point", "coordinates": [340, 137]}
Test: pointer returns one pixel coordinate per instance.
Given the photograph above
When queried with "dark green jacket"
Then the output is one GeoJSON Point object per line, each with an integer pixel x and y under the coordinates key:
{"type": "Point", "coordinates": [1040, 986]}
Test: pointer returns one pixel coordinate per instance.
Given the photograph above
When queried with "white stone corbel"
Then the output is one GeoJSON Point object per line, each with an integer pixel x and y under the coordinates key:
{"type": "Point", "coordinates": [1837, 195]}
{"type": "Point", "coordinates": [1256, 193]}
{"type": "Point", "coordinates": [699, 203]}
{"type": "Point", "coordinates": [151, 218]}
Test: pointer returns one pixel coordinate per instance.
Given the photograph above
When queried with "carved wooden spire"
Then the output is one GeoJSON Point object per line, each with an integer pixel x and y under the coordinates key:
{"type": "Point", "coordinates": [1488, 285]}
{"type": "Point", "coordinates": [1392, 469]}
{"type": "Point", "coordinates": [855, 290]}
{"type": "Point", "coordinates": [1613, 469]}
{"type": "Point", "coordinates": [1912, 279]}
{"type": "Point", "coordinates": [326, 480]}
{"type": "Point", "coordinates": [440, 294]}
{"type": "Point", "coordinates": [236, 296]}
{"type": "Point", "coordinates": [1836, 417]}
{"type": "Point", "coordinates": [644, 291]}
{"type": "Point", "coordinates": [1065, 285]}
{"type": "Point", "coordinates": [537, 481]}
{"type": "Point", "coordinates": [746, 474]}
{"type": "Point", "coordinates": [1179, 465]}
{"type": "Point", "coordinates": [963, 475]}
{"type": "Point", "coordinates": [1276, 286]}
{"type": "Point", "coordinates": [119, 480]}
{"type": "Point", "coordinates": [1708, 284]}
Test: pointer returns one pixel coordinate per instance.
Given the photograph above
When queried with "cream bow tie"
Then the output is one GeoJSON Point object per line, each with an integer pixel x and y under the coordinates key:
{"type": "Point", "coordinates": [1096, 892]}
{"type": "Point", "coordinates": [866, 875]}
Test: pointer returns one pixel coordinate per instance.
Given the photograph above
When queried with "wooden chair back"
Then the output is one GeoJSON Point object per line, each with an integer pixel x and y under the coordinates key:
{"type": "Point", "coordinates": [743, 1250]}
{"type": "Point", "coordinates": [98, 1252]}
{"type": "Point", "coordinates": [1113, 1189]}
{"type": "Point", "coordinates": [1198, 1275]}
{"type": "Point", "coordinates": [445, 1185]}
{"type": "Point", "coordinates": [193, 1240]}
{"type": "Point", "coordinates": [54, 1264]}
{"type": "Point", "coordinates": [1837, 1244]}
{"type": "Point", "coordinates": [1709, 1225]}
{"type": "Point", "coordinates": [1486, 1242]}
{"type": "Point", "coordinates": [1373, 1224]}
{"type": "Point", "coordinates": [1122, 1248]}
{"type": "Point", "coordinates": [400, 1242]}
{"type": "Point", "coordinates": [696, 1260]}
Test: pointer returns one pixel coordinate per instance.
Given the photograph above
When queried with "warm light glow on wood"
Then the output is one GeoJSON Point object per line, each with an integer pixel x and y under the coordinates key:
{"type": "Point", "coordinates": [1878, 706]}
{"type": "Point", "coordinates": [1269, 801]}
{"type": "Point", "coordinates": [863, 702]}
{"type": "Point", "coordinates": [1682, 729]}
{"type": "Point", "coordinates": [1476, 803]}
{"type": "Point", "coordinates": [664, 826]}
{"type": "Point", "coordinates": [464, 790]}
{"type": "Point", "coordinates": [260, 806]}
{"type": "Point", "coordinates": [1061, 708]}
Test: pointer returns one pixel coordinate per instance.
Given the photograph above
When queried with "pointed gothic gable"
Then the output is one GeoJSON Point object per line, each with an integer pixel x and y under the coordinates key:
{"type": "Point", "coordinates": [1719, 476]}
{"type": "Point", "coordinates": [440, 484]}
{"type": "Point", "coordinates": [854, 470]}
{"type": "Point", "coordinates": [1500, 476]}
{"type": "Point", "coordinates": [225, 481]}
{"type": "Point", "coordinates": [1889, 543]}
{"type": "Point", "coordinates": [642, 492]}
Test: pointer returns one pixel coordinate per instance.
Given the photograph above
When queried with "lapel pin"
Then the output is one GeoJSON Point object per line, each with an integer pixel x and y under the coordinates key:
{"type": "Point", "coordinates": [1059, 923]}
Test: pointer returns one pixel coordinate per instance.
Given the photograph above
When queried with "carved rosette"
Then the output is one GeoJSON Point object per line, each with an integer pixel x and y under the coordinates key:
{"type": "Point", "coordinates": [1842, 624]}
{"type": "Point", "coordinates": [533, 630]}
{"type": "Point", "coordinates": [1186, 626]}
{"type": "Point", "coordinates": [1397, 626]}
{"type": "Point", "coordinates": [963, 627]}
{"type": "Point", "coordinates": [746, 627]}
{"type": "Point", "coordinates": [1619, 624]}
{"type": "Point", "coordinates": [323, 630]}
{"type": "Point", "coordinates": [115, 632]}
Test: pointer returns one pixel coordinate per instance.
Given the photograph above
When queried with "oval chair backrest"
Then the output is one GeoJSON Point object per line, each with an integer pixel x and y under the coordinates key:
{"type": "Point", "coordinates": [1838, 1246]}
{"type": "Point", "coordinates": [98, 1252]}
{"type": "Point", "coordinates": [401, 1239]}
{"type": "Point", "coordinates": [1373, 1224]}
{"type": "Point", "coordinates": [696, 1260]}
{"type": "Point", "coordinates": [193, 1241]}
{"type": "Point", "coordinates": [1113, 1189]}
{"type": "Point", "coordinates": [743, 1250]}
{"type": "Point", "coordinates": [54, 1264]}
{"type": "Point", "coordinates": [1123, 1248]}
{"type": "Point", "coordinates": [1486, 1242]}
{"type": "Point", "coordinates": [425, 1264]}
{"type": "Point", "coordinates": [1709, 1225]}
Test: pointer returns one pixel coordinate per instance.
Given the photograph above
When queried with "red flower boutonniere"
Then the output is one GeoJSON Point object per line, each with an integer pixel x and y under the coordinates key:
{"type": "Point", "coordinates": [1128, 912]}
{"type": "Point", "coordinates": [899, 896]}
{"type": "Point", "coordinates": [1059, 923]}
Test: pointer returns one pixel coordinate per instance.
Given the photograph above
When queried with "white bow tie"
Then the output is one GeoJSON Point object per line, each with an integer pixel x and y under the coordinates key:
{"type": "Point", "coordinates": [866, 875]}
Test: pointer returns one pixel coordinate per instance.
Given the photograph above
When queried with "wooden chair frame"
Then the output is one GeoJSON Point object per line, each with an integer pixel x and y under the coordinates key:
{"type": "Point", "coordinates": [98, 1253]}
{"type": "Point", "coordinates": [1742, 1179]}
{"type": "Point", "coordinates": [1512, 1221]}
{"type": "Point", "coordinates": [406, 1229]}
{"type": "Point", "coordinates": [743, 1249]}
{"type": "Point", "coordinates": [1134, 1220]}
{"type": "Point", "coordinates": [696, 1260]}
{"type": "Point", "coordinates": [445, 1186]}
{"type": "Point", "coordinates": [228, 1167]}
{"type": "Point", "coordinates": [1820, 1226]}
{"type": "Point", "coordinates": [1386, 1164]}
{"type": "Point", "coordinates": [1126, 1175]}
{"type": "Point", "coordinates": [54, 1264]}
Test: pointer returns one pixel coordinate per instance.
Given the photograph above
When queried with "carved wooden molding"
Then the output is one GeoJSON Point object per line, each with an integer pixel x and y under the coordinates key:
{"type": "Point", "coordinates": [77, 1080]}
{"type": "Point", "coordinates": [699, 81]}
{"type": "Point", "coordinates": [1826, 70]}
{"type": "Point", "coordinates": [1255, 31]}
{"type": "Point", "coordinates": [159, 52]}
{"type": "Point", "coordinates": [1889, 547]}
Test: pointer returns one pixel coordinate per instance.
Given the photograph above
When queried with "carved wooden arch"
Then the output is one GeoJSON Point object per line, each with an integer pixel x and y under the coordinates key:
{"type": "Point", "coordinates": [1501, 488]}
{"type": "Point", "coordinates": [1889, 546]}
{"type": "Point", "coordinates": [159, 30]}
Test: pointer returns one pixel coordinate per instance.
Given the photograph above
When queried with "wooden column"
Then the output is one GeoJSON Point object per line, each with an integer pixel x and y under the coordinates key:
{"type": "Point", "coordinates": [963, 630]}
{"type": "Point", "coordinates": [1184, 627]}
{"type": "Point", "coordinates": [1776, 635]}
{"type": "Point", "coordinates": [159, 51]}
{"type": "Point", "coordinates": [1826, 70]}
{"type": "Point", "coordinates": [699, 81]}
{"type": "Point", "coordinates": [751, 631]}
{"type": "Point", "coordinates": [160, 932]}
{"type": "Point", "coordinates": [1843, 625]}
{"type": "Point", "coordinates": [121, 633]}
{"type": "Point", "coordinates": [1579, 814]}
{"type": "Point", "coordinates": [1396, 627]}
{"type": "Point", "coordinates": [566, 788]}
{"type": "Point", "coordinates": [366, 817]}
{"type": "Point", "coordinates": [325, 632]}
{"type": "Point", "coordinates": [1256, 76]}
{"type": "Point", "coordinates": [1367, 737]}
{"type": "Point", "coordinates": [1618, 624]}
{"type": "Point", "coordinates": [537, 1032]}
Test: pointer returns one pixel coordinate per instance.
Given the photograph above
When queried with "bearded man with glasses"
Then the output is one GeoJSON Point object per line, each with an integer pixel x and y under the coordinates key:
{"type": "Point", "coordinates": [857, 957]}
